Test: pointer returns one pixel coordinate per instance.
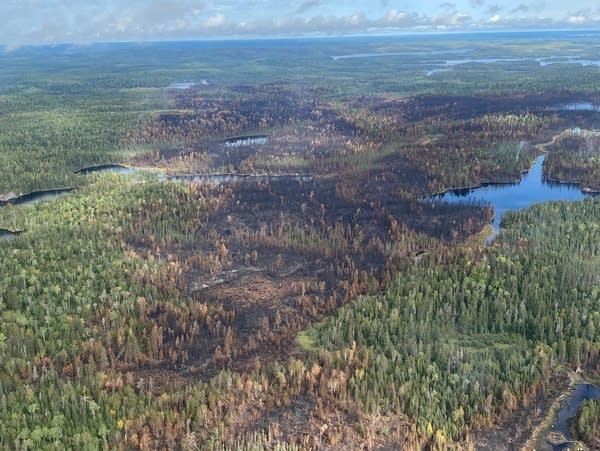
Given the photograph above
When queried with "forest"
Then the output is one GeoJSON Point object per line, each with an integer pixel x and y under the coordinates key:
{"type": "Point", "coordinates": [247, 261]}
{"type": "Point", "coordinates": [574, 157]}
{"type": "Point", "coordinates": [586, 425]}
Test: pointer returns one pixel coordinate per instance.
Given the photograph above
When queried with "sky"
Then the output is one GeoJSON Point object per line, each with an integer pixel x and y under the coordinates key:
{"type": "Point", "coordinates": [35, 22]}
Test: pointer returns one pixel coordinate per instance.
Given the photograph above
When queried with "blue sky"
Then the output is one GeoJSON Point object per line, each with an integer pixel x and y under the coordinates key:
{"type": "Point", "coordinates": [84, 21]}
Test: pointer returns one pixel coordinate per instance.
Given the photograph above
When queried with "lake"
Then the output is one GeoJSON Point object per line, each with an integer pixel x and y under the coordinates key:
{"type": "Point", "coordinates": [532, 189]}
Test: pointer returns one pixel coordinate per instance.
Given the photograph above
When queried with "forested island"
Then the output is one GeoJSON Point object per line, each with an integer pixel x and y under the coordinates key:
{"type": "Point", "coordinates": [258, 259]}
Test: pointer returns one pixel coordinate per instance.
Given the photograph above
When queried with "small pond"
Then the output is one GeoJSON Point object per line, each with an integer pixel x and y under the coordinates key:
{"type": "Point", "coordinates": [36, 196]}
{"type": "Point", "coordinates": [115, 168]}
{"type": "Point", "coordinates": [6, 234]}
{"type": "Point", "coordinates": [184, 85]}
{"type": "Point", "coordinates": [239, 141]}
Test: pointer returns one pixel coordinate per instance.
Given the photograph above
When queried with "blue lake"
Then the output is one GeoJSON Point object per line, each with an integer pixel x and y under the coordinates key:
{"type": "Point", "coordinates": [532, 189]}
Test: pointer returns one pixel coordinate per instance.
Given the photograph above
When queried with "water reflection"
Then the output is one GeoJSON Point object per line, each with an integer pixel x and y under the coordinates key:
{"type": "Point", "coordinates": [558, 435]}
{"type": "Point", "coordinates": [6, 234]}
{"type": "Point", "coordinates": [532, 189]}
{"type": "Point", "coordinates": [246, 141]}
{"type": "Point", "coordinates": [114, 168]}
{"type": "Point", "coordinates": [36, 196]}
{"type": "Point", "coordinates": [578, 106]}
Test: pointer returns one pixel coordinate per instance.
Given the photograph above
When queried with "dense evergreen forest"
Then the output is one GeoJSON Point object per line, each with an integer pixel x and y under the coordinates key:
{"type": "Point", "coordinates": [465, 341]}
{"type": "Point", "coordinates": [574, 157]}
{"type": "Point", "coordinates": [586, 426]}
{"type": "Point", "coordinates": [333, 310]}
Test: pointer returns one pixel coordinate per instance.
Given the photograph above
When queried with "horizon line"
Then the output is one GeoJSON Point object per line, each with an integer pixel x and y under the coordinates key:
{"type": "Point", "coordinates": [239, 38]}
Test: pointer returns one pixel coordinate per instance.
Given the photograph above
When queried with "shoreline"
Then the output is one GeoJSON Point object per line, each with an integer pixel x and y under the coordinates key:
{"type": "Point", "coordinates": [584, 189]}
{"type": "Point", "coordinates": [484, 183]}
{"type": "Point", "coordinates": [541, 429]}
{"type": "Point", "coordinates": [488, 182]}
{"type": "Point", "coordinates": [17, 200]}
{"type": "Point", "coordinates": [515, 431]}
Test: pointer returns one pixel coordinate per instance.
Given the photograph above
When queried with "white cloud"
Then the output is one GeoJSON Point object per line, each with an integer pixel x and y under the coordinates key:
{"type": "Point", "coordinates": [308, 5]}
{"type": "Point", "coordinates": [448, 5]}
{"type": "Point", "coordinates": [450, 21]}
{"type": "Point", "coordinates": [522, 8]}
{"type": "Point", "coordinates": [217, 20]}
{"type": "Point", "coordinates": [395, 18]}
{"type": "Point", "coordinates": [356, 19]}
{"type": "Point", "coordinates": [82, 21]}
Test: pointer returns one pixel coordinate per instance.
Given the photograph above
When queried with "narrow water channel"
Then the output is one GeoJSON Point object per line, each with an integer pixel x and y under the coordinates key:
{"type": "Point", "coordinates": [219, 179]}
{"type": "Point", "coordinates": [558, 435]}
